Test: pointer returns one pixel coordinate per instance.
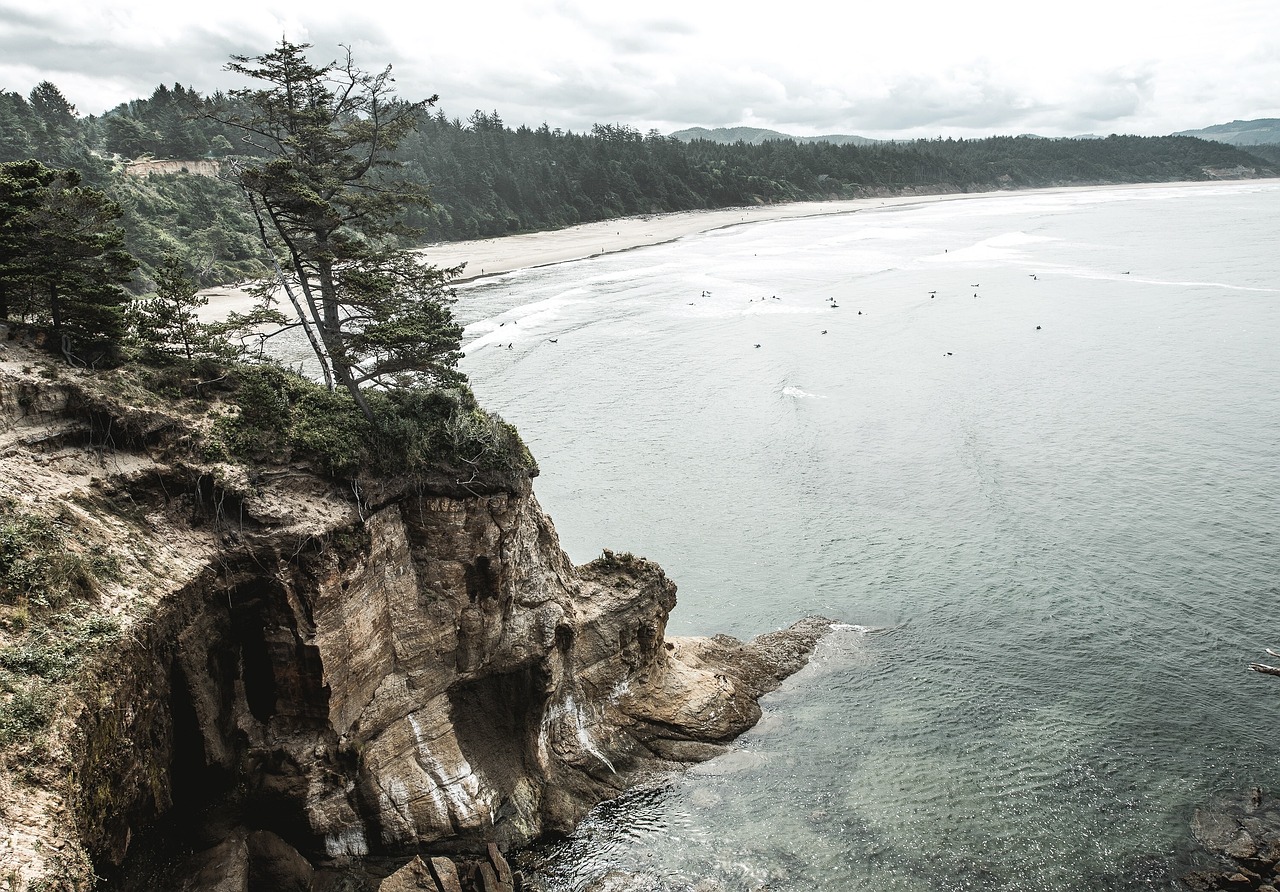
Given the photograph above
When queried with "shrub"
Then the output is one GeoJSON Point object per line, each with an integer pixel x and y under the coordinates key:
{"type": "Point", "coordinates": [24, 714]}
{"type": "Point", "coordinates": [35, 565]}
{"type": "Point", "coordinates": [282, 416]}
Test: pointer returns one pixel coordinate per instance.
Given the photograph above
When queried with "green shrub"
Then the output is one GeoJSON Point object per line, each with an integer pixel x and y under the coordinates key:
{"type": "Point", "coordinates": [35, 669]}
{"type": "Point", "coordinates": [24, 713]}
{"type": "Point", "coordinates": [282, 416]}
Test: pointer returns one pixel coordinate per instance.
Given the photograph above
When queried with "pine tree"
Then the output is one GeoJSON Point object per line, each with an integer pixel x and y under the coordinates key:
{"type": "Point", "coordinates": [327, 199]}
{"type": "Point", "coordinates": [56, 118]}
{"type": "Point", "coordinates": [62, 258]}
{"type": "Point", "coordinates": [167, 326]}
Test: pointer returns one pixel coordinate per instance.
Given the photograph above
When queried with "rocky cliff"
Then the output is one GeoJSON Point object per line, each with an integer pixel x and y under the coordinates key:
{"type": "Point", "coordinates": [362, 667]}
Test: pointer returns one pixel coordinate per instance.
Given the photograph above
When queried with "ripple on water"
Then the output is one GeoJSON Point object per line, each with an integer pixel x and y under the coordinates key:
{"type": "Point", "coordinates": [1067, 533]}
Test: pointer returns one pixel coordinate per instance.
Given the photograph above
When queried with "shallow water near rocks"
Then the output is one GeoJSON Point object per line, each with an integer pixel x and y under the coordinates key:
{"type": "Point", "coordinates": [1050, 488]}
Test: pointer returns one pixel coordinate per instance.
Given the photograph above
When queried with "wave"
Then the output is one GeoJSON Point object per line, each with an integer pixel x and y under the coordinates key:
{"type": "Point", "coordinates": [998, 248]}
{"type": "Point", "coordinates": [853, 627]}
{"type": "Point", "coordinates": [1143, 280]}
{"type": "Point", "coordinates": [797, 393]}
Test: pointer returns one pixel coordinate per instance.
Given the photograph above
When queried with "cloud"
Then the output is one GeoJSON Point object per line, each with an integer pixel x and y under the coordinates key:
{"type": "Point", "coordinates": [1113, 97]}
{"type": "Point", "coordinates": [925, 69]}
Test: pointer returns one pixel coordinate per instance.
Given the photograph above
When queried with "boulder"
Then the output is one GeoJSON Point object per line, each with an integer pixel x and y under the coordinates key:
{"type": "Point", "coordinates": [276, 865]}
{"type": "Point", "coordinates": [223, 868]}
{"type": "Point", "coordinates": [412, 877]}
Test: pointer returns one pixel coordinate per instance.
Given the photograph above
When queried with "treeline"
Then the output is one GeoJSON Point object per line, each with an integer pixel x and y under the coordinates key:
{"type": "Point", "coordinates": [200, 219]}
{"type": "Point", "coordinates": [487, 179]}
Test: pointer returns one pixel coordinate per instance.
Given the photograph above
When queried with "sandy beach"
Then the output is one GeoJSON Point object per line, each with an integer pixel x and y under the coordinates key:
{"type": "Point", "coordinates": [496, 256]}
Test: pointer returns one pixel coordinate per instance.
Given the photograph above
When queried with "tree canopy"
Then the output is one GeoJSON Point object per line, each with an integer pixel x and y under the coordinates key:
{"type": "Point", "coordinates": [62, 258]}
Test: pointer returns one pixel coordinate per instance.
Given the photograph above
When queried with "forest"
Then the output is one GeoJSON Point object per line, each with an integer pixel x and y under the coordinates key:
{"type": "Point", "coordinates": [487, 179]}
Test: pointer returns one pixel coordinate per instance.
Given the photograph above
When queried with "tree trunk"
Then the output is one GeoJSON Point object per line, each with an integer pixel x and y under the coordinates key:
{"type": "Point", "coordinates": [284, 283]}
{"type": "Point", "coordinates": [55, 310]}
{"type": "Point", "coordinates": [331, 330]}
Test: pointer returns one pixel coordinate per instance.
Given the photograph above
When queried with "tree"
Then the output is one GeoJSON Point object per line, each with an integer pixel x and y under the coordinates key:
{"type": "Point", "coordinates": [23, 185]}
{"type": "Point", "coordinates": [327, 201]}
{"type": "Point", "coordinates": [402, 331]}
{"type": "Point", "coordinates": [62, 257]}
{"type": "Point", "coordinates": [127, 136]}
{"type": "Point", "coordinates": [55, 116]}
{"type": "Point", "coordinates": [16, 123]}
{"type": "Point", "coordinates": [168, 326]}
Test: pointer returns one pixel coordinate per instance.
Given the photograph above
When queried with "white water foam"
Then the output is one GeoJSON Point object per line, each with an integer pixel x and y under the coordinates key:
{"type": "Point", "coordinates": [800, 394]}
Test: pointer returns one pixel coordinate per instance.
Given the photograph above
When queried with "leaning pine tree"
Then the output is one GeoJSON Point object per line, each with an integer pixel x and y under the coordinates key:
{"type": "Point", "coordinates": [321, 183]}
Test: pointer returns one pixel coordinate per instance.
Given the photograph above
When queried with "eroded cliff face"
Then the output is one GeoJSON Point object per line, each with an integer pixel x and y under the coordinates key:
{"type": "Point", "coordinates": [390, 667]}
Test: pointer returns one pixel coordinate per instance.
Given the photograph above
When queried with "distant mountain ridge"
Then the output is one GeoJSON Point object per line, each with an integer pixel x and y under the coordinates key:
{"type": "Point", "coordinates": [754, 136]}
{"type": "Point", "coordinates": [1260, 131]}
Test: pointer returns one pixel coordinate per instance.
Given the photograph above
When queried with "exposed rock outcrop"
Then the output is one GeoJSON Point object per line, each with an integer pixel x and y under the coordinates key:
{"type": "Point", "coordinates": [416, 668]}
{"type": "Point", "coordinates": [156, 166]}
{"type": "Point", "coordinates": [1241, 835]}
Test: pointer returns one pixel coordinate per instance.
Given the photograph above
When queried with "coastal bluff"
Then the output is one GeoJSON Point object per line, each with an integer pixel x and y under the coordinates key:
{"type": "Point", "coordinates": [335, 669]}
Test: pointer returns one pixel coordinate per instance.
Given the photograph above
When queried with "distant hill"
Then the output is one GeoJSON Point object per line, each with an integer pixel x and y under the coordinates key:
{"type": "Point", "coordinates": [754, 136]}
{"type": "Point", "coordinates": [1262, 131]}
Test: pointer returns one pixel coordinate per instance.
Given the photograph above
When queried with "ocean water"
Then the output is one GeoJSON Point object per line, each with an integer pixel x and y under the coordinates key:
{"type": "Point", "coordinates": [1024, 447]}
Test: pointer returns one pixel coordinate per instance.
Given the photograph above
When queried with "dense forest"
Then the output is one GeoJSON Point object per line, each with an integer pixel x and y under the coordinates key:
{"type": "Point", "coordinates": [486, 178]}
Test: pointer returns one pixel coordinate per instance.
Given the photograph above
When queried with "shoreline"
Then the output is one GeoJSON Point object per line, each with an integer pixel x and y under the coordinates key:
{"type": "Point", "coordinates": [501, 255]}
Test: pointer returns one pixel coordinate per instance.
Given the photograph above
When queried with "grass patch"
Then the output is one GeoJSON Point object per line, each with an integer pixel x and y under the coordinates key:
{"type": "Point", "coordinates": [619, 562]}
{"type": "Point", "coordinates": [36, 667]}
{"type": "Point", "coordinates": [37, 567]}
{"type": "Point", "coordinates": [47, 622]}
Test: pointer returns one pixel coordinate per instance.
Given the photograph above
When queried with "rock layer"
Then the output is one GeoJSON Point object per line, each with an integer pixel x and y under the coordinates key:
{"type": "Point", "coordinates": [390, 667]}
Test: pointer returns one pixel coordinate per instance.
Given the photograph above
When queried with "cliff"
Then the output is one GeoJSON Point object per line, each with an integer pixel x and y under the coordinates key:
{"type": "Point", "coordinates": [147, 167]}
{"type": "Point", "coordinates": [371, 666]}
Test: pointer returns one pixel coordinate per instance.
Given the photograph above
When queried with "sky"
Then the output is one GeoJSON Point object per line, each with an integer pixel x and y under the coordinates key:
{"type": "Point", "coordinates": [887, 69]}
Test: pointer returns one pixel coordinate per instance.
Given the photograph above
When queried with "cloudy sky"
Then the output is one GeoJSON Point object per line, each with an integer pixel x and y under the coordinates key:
{"type": "Point", "coordinates": [883, 69]}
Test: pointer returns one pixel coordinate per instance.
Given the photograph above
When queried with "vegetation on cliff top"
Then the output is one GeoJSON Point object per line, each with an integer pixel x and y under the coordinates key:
{"type": "Point", "coordinates": [275, 416]}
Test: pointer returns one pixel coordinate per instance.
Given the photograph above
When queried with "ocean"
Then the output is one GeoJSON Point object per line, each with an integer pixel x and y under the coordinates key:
{"type": "Point", "coordinates": [1024, 448]}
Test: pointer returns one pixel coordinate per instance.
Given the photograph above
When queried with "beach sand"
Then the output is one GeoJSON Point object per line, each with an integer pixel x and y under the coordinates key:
{"type": "Point", "coordinates": [495, 256]}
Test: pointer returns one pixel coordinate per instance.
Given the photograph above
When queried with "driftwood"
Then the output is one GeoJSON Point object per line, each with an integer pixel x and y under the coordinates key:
{"type": "Point", "coordinates": [1264, 668]}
